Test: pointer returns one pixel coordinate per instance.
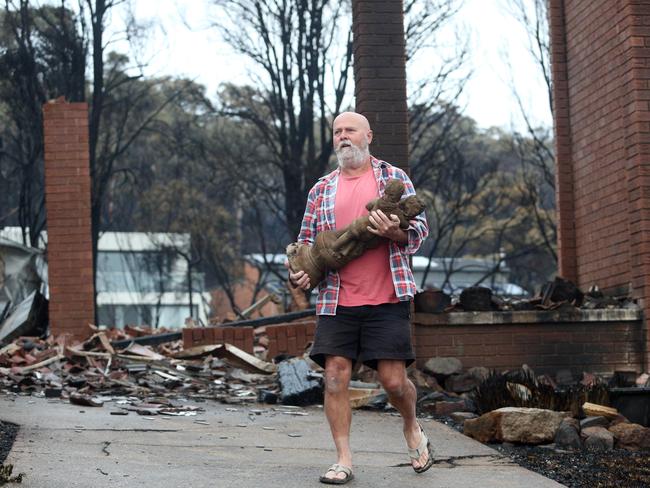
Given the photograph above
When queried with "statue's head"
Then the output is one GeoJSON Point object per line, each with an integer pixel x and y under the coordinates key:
{"type": "Point", "coordinates": [394, 190]}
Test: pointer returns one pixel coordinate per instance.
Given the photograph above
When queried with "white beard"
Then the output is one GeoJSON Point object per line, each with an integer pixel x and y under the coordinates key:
{"type": "Point", "coordinates": [352, 157]}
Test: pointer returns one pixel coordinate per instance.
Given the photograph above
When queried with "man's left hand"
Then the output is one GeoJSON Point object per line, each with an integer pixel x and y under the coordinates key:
{"type": "Point", "coordinates": [385, 226]}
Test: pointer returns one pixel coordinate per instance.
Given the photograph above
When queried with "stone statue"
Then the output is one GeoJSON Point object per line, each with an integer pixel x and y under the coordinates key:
{"type": "Point", "coordinates": [333, 249]}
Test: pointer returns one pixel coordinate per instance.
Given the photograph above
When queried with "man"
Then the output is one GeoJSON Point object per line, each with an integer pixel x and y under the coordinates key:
{"type": "Point", "coordinates": [364, 308]}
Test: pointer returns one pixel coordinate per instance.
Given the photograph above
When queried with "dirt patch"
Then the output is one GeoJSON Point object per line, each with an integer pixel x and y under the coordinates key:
{"type": "Point", "coordinates": [8, 433]}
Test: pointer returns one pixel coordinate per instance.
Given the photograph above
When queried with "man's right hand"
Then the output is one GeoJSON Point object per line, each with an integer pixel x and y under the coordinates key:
{"type": "Point", "coordinates": [299, 279]}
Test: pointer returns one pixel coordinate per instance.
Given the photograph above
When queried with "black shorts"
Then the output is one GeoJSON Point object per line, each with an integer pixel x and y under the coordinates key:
{"type": "Point", "coordinates": [366, 333]}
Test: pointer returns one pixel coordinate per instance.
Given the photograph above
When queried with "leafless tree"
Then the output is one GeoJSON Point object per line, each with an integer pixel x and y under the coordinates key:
{"type": "Point", "coordinates": [434, 95]}
{"type": "Point", "coordinates": [42, 56]}
{"type": "Point", "coordinates": [478, 207]}
{"type": "Point", "coordinates": [301, 59]}
{"type": "Point", "coordinates": [535, 146]}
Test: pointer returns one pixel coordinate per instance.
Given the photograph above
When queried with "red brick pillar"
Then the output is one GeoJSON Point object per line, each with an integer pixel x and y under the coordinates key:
{"type": "Point", "coordinates": [380, 76]}
{"type": "Point", "coordinates": [567, 266]}
{"type": "Point", "coordinates": [67, 198]}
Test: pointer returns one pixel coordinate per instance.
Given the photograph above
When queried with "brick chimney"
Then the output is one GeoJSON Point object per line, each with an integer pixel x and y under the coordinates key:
{"type": "Point", "coordinates": [380, 76]}
{"type": "Point", "coordinates": [67, 198]}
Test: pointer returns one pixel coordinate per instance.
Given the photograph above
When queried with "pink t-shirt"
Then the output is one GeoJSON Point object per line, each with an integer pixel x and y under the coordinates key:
{"type": "Point", "coordinates": [367, 279]}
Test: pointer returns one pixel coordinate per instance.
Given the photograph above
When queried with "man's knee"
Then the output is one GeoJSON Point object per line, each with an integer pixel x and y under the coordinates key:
{"type": "Point", "coordinates": [394, 385]}
{"type": "Point", "coordinates": [338, 371]}
{"type": "Point", "coordinates": [393, 379]}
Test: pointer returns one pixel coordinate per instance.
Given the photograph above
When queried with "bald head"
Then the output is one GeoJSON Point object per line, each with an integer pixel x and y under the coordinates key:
{"type": "Point", "coordinates": [352, 118]}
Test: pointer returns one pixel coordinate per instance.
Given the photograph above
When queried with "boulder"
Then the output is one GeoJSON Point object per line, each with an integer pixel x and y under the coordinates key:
{"type": "Point", "coordinates": [483, 428]}
{"type": "Point", "coordinates": [423, 380]}
{"type": "Point", "coordinates": [516, 425]}
{"type": "Point", "coordinates": [443, 367]}
{"type": "Point", "coordinates": [633, 437]}
{"type": "Point", "coordinates": [479, 372]}
{"type": "Point", "coordinates": [598, 438]}
{"type": "Point", "coordinates": [619, 419]}
{"type": "Point", "coordinates": [447, 408]}
{"type": "Point", "coordinates": [460, 383]}
{"type": "Point", "coordinates": [435, 396]}
{"type": "Point", "coordinates": [598, 421]}
{"type": "Point", "coordinates": [461, 417]}
{"type": "Point", "coordinates": [529, 425]}
{"type": "Point", "coordinates": [567, 436]}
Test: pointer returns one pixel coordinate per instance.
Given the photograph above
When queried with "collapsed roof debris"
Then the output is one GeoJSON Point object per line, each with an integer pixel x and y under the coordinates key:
{"type": "Point", "coordinates": [23, 290]}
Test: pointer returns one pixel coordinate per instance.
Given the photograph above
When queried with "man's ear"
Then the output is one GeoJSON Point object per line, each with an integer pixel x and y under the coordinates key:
{"type": "Point", "coordinates": [369, 136]}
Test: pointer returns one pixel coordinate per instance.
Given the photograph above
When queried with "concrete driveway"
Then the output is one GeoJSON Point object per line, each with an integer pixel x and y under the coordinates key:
{"type": "Point", "coordinates": [60, 445]}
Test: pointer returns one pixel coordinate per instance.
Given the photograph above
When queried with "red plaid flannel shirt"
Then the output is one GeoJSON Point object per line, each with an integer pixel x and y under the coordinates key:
{"type": "Point", "coordinates": [319, 216]}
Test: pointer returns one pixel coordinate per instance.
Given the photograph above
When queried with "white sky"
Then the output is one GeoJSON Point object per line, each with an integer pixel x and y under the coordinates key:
{"type": "Point", "coordinates": [182, 43]}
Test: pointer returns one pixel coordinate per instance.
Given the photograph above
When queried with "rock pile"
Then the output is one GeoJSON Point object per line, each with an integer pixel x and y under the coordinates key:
{"type": "Point", "coordinates": [533, 426]}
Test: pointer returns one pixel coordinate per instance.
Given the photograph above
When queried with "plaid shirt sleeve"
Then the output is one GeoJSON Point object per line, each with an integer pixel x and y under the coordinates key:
{"type": "Point", "coordinates": [310, 218]}
{"type": "Point", "coordinates": [419, 228]}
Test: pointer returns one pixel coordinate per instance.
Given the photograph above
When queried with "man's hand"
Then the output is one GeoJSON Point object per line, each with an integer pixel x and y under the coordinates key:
{"type": "Point", "coordinates": [299, 279]}
{"type": "Point", "coordinates": [388, 227]}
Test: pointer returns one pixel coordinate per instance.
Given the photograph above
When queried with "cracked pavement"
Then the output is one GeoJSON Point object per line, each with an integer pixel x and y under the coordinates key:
{"type": "Point", "coordinates": [63, 445]}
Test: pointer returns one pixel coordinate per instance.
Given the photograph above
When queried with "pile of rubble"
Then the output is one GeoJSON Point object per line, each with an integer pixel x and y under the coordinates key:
{"type": "Point", "coordinates": [147, 373]}
{"type": "Point", "coordinates": [86, 373]}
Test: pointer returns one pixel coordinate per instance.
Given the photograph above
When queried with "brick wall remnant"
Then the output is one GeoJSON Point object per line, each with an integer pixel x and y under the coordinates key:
{"type": "Point", "coordinates": [287, 338]}
{"type": "Point", "coordinates": [240, 337]}
{"type": "Point", "coordinates": [596, 341]}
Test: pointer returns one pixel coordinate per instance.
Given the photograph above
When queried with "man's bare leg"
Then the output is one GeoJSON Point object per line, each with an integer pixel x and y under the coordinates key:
{"type": "Point", "coordinates": [403, 396]}
{"type": "Point", "coordinates": [338, 371]}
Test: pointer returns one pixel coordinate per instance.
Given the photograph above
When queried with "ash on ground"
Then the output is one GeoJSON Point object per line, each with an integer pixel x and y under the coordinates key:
{"type": "Point", "coordinates": [582, 469]}
{"type": "Point", "coordinates": [576, 469]}
{"type": "Point", "coordinates": [8, 433]}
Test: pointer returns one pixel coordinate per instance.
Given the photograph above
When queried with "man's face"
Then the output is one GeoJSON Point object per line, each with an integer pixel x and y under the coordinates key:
{"type": "Point", "coordinates": [349, 129]}
{"type": "Point", "coordinates": [351, 139]}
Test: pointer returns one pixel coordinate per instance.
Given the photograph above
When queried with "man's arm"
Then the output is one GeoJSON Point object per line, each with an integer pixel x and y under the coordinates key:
{"type": "Point", "coordinates": [306, 236]}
